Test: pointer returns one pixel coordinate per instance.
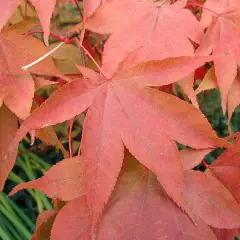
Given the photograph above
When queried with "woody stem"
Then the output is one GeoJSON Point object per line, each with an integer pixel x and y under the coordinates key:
{"type": "Point", "coordinates": [25, 9]}
{"type": "Point", "coordinates": [70, 137]}
{"type": "Point", "coordinates": [91, 57]}
{"type": "Point", "coordinates": [78, 7]}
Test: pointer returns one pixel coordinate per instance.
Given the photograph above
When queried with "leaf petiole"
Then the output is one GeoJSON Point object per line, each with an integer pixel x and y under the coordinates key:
{"type": "Point", "coordinates": [24, 68]}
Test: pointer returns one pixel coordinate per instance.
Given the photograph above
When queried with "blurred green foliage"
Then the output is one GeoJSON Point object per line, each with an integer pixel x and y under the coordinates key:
{"type": "Point", "coordinates": [18, 213]}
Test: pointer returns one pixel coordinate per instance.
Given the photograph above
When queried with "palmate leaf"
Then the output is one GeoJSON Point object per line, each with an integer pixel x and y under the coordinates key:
{"type": "Point", "coordinates": [157, 29]}
{"type": "Point", "coordinates": [222, 36]}
{"type": "Point", "coordinates": [115, 119]}
{"type": "Point", "coordinates": [138, 209]}
{"type": "Point", "coordinates": [161, 198]}
{"type": "Point", "coordinates": [207, 198]}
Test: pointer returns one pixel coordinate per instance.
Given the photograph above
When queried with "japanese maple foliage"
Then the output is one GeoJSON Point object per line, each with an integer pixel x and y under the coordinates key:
{"type": "Point", "coordinates": [44, 12]}
{"type": "Point", "coordinates": [129, 180]}
{"type": "Point", "coordinates": [223, 35]}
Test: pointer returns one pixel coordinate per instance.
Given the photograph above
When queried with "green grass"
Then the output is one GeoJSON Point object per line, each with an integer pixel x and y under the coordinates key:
{"type": "Point", "coordinates": [18, 213]}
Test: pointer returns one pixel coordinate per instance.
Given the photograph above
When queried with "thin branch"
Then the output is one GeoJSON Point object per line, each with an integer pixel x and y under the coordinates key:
{"type": "Point", "coordinates": [91, 57]}
{"type": "Point", "coordinates": [73, 74]}
{"type": "Point", "coordinates": [162, 3]}
{"type": "Point", "coordinates": [70, 137]}
{"type": "Point", "coordinates": [60, 38]}
{"type": "Point", "coordinates": [25, 9]}
{"type": "Point", "coordinates": [78, 7]}
{"type": "Point", "coordinates": [205, 164]}
{"type": "Point", "coordinates": [83, 57]}
{"type": "Point", "coordinates": [84, 64]}
{"type": "Point", "coordinates": [79, 150]}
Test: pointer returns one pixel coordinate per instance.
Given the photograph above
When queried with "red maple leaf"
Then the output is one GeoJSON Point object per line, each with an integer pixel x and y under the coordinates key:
{"type": "Point", "coordinates": [210, 82]}
{"type": "Point", "coordinates": [74, 219]}
{"type": "Point", "coordinates": [113, 118]}
{"type": "Point", "coordinates": [191, 157]}
{"type": "Point", "coordinates": [139, 205]}
{"type": "Point", "coordinates": [139, 209]}
{"type": "Point", "coordinates": [207, 198]}
{"type": "Point", "coordinates": [8, 129]}
{"type": "Point", "coordinates": [222, 36]}
{"type": "Point", "coordinates": [226, 169]}
{"type": "Point", "coordinates": [157, 29]}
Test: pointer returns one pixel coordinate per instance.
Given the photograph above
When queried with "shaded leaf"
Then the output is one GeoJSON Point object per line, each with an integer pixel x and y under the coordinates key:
{"type": "Point", "coordinates": [191, 157]}
{"type": "Point", "coordinates": [73, 220]}
{"type": "Point", "coordinates": [8, 129]}
{"type": "Point", "coordinates": [48, 136]}
{"type": "Point", "coordinates": [224, 234]}
{"type": "Point", "coordinates": [44, 225]}
{"type": "Point", "coordinates": [138, 209]}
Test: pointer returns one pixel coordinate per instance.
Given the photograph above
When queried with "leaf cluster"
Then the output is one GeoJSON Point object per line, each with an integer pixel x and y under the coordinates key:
{"type": "Point", "coordinates": [126, 77]}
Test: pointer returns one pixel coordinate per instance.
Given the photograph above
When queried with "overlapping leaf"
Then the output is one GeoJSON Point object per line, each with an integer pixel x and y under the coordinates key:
{"type": "Point", "coordinates": [191, 157]}
{"type": "Point", "coordinates": [138, 209]}
{"type": "Point", "coordinates": [111, 121]}
{"type": "Point", "coordinates": [44, 225]}
{"type": "Point", "coordinates": [48, 136]}
{"type": "Point", "coordinates": [90, 6]}
{"type": "Point", "coordinates": [73, 220]}
{"type": "Point", "coordinates": [17, 86]}
{"type": "Point", "coordinates": [223, 35]}
{"type": "Point", "coordinates": [8, 129]}
{"type": "Point", "coordinates": [207, 198]}
{"type": "Point", "coordinates": [124, 110]}
{"type": "Point", "coordinates": [63, 181]}
{"type": "Point", "coordinates": [224, 234]}
{"type": "Point", "coordinates": [227, 168]}
{"type": "Point", "coordinates": [157, 29]}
